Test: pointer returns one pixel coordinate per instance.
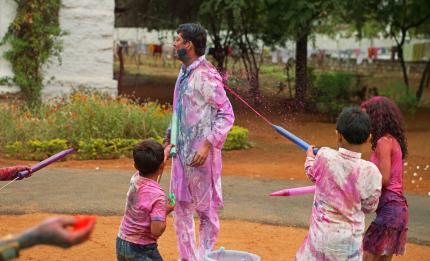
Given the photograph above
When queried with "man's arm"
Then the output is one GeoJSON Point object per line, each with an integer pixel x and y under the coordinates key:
{"type": "Point", "coordinates": [53, 231]}
{"type": "Point", "coordinates": [10, 173]}
{"type": "Point", "coordinates": [214, 94]}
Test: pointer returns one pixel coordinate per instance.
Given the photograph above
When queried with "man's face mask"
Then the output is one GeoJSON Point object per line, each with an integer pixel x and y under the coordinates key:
{"type": "Point", "coordinates": [182, 53]}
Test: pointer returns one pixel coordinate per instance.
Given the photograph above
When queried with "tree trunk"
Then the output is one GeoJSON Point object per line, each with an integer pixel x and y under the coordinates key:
{"type": "Point", "coordinates": [254, 86]}
{"type": "Point", "coordinates": [287, 73]}
{"type": "Point", "coordinates": [121, 70]}
{"type": "Point", "coordinates": [252, 72]}
{"type": "Point", "coordinates": [403, 64]}
{"type": "Point", "coordinates": [252, 75]}
{"type": "Point", "coordinates": [301, 70]}
{"type": "Point", "coordinates": [424, 81]}
{"type": "Point", "coordinates": [219, 56]}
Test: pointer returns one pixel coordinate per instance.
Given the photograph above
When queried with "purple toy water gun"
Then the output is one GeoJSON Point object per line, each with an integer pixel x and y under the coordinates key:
{"type": "Point", "coordinates": [40, 165]}
{"type": "Point", "coordinates": [46, 162]}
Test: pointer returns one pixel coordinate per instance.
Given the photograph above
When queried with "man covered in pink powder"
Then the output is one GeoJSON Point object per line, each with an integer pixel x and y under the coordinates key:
{"type": "Point", "coordinates": [205, 117]}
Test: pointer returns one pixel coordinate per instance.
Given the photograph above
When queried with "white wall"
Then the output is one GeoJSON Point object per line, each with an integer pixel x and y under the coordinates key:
{"type": "Point", "coordinates": [7, 14]}
{"type": "Point", "coordinates": [87, 56]}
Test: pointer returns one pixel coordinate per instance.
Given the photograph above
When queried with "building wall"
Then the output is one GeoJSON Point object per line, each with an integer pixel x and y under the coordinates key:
{"type": "Point", "coordinates": [87, 56]}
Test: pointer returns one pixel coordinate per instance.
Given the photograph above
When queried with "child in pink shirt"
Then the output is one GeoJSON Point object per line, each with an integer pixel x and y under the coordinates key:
{"type": "Point", "coordinates": [145, 210]}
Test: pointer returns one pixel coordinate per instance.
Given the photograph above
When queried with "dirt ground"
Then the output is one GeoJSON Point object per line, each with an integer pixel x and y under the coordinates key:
{"type": "Point", "coordinates": [273, 243]}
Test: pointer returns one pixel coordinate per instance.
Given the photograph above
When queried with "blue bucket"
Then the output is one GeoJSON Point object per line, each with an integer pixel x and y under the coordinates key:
{"type": "Point", "coordinates": [231, 255]}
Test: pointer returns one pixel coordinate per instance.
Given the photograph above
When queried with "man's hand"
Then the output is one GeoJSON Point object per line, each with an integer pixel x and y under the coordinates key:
{"type": "Point", "coordinates": [167, 149]}
{"type": "Point", "coordinates": [56, 231]}
{"type": "Point", "coordinates": [310, 151]}
{"type": "Point", "coordinates": [169, 208]}
{"type": "Point", "coordinates": [201, 155]}
{"type": "Point", "coordinates": [19, 168]}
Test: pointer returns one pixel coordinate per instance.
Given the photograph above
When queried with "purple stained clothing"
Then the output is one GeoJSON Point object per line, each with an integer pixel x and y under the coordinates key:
{"type": "Point", "coordinates": [185, 230]}
{"type": "Point", "coordinates": [146, 202]}
{"type": "Point", "coordinates": [347, 187]}
{"type": "Point", "coordinates": [204, 113]}
{"type": "Point", "coordinates": [387, 234]}
{"type": "Point", "coordinates": [396, 174]}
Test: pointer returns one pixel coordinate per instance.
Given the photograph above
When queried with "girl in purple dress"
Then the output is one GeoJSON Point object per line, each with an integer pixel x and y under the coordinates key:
{"type": "Point", "coordinates": [387, 234]}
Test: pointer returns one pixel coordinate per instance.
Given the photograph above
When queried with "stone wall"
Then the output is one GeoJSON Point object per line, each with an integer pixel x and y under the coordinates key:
{"type": "Point", "coordinates": [87, 56]}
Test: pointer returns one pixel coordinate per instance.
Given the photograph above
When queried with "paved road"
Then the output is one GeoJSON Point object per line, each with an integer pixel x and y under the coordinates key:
{"type": "Point", "coordinates": [103, 192]}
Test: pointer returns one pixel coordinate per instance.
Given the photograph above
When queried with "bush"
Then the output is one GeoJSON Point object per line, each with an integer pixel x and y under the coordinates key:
{"type": "Point", "coordinates": [98, 126]}
{"type": "Point", "coordinates": [83, 117]}
{"type": "Point", "coordinates": [333, 91]}
{"type": "Point", "coordinates": [402, 96]}
{"type": "Point", "coordinates": [106, 149]}
{"type": "Point", "coordinates": [237, 139]}
{"type": "Point", "coordinates": [35, 149]}
{"type": "Point", "coordinates": [101, 148]}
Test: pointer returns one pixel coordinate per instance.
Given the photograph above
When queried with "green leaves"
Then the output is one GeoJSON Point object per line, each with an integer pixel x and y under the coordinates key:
{"type": "Point", "coordinates": [98, 126]}
{"type": "Point", "coordinates": [237, 139]}
{"type": "Point", "coordinates": [333, 91]}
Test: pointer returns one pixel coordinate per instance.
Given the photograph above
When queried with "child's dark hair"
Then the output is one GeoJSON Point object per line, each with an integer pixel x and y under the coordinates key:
{"type": "Point", "coordinates": [386, 118]}
{"type": "Point", "coordinates": [196, 34]}
{"type": "Point", "coordinates": [148, 156]}
{"type": "Point", "coordinates": [354, 125]}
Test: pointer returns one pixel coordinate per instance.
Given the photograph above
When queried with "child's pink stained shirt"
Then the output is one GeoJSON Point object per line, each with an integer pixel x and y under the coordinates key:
{"type": "Point", "coordinates": [347, 187]}
{"type": "Point", "coordinates": [396, 173]}
{"type": "Point", "coordinates": [146, 202]}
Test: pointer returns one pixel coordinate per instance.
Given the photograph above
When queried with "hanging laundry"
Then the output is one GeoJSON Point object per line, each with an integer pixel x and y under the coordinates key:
{"type": "Point", "coordinates": [408, 52]}
{"type": "Point", "coordinates": [394, 53]}
{"type": "Point", "coordinates": [361, 54]}
{"type": "Point", "coordinates": [372, 54]}
{"type": "Point", "coordinates": [274, 55]}
{"type": "Point", "coordinates": [418, 52]}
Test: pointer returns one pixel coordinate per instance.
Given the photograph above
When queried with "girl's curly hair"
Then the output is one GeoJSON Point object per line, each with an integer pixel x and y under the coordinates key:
{"type": "Point", "coordinates": [385, 118]}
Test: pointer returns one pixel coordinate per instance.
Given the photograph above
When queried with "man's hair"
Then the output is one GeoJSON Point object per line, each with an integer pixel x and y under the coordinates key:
{"type": "Point", "coordinates": [354, 125]}
{"type": "Point", "coordinates": [148, 156]}
{"type": "Point", "coordinates": [196, 34]}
